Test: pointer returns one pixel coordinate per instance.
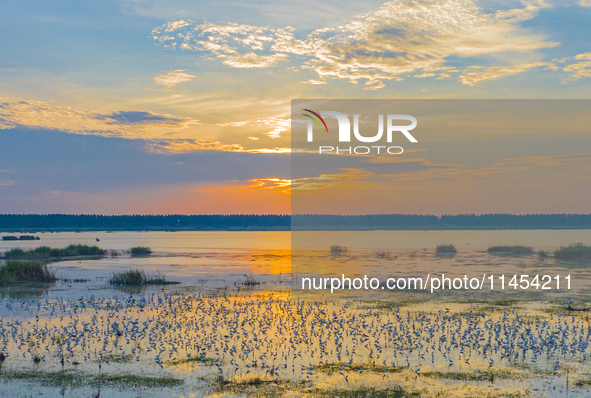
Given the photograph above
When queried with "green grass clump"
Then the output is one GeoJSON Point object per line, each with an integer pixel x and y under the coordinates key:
{"type": "Point", "coordinates": [446, 249]}
{"type": "Point", "coordinates": [382, 255]}
{"type": "Point", "coordinates": [134, 277]}
{"type": "Point", "coordinates": [576, 252]}
{"type": "Point", "coordinates": [487, 375]}
{"type": "Point", "coordinates": [78, 379]}
{"type": "Point", "coordinates": [583, 383]}
{"type": "Point", "coordinates": [28, 237]}
{"type": "Point", "coordinates": [338, 250]}
{"type": "Point", "coordinates": [339, 367]}
{"type": "Point", "coordinates": [363, 392]}
{"type": "Point", "coordinates": [23, 271]}
{"type": "Point", "coordinates": [140, 251]}
{"type": "Point", "coordinates": [22, 237]}
{"type": "Point", "coordinates": [510, 250]}
{"type": "Point", "coordinates": [199, 359]}
{"type": "Point", "coordinates": [251, 281]}
{"type": "Point", "coordinates": [47, 253]}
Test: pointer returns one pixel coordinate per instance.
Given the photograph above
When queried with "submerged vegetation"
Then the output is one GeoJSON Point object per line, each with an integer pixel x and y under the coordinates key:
{"type": "Point", "coordinates": [576, 252]}
{"type": "Point", "coordinates": [25, 271]}
{"type": "Point", "coordinates": [47, 253]}
{"type": "Point", "coordinates": [510, 250]}
{"type": "Point", "coordinates": [446, 249]}
{"type": "Point", "coordinates": [141, 251]}
{"type": "Point", "coordinates": [134, 277]}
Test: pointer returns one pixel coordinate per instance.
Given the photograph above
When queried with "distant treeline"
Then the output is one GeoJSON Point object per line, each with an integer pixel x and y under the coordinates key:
{"type": "Point", "coordinates": [84, 222]}
{"type": "Point", "coordinates": [93, 222]}
{"type": "Point", "coordinates": [462, 221]}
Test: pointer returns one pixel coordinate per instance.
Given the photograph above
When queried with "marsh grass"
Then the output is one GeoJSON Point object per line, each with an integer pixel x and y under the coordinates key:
{"type": "Point", "coordinates": [255, 386]}
{"type": "Point", "coordinates": [25, 272]}
{"type": "Point", "coordinates": [340, 367]}
{"type": "Point", "coordinates": [586, 383]}
{"type": "Point", "coordinates": [382, 255]}
{"type": "Point", "coordinates": [116, 358]}
{"type": "Point", "coordinates": [22, 237]}
{"type": "Point", "coordinates": [251, 281]}
{"type": "Point", "coordinates": [134, 277]}
{"type": "Point", "coordinates": [338, 250]}
{"type": "Point", "coordinates": [445, 250]}
{"type": "Point", "coordinates": [79, 379]}
{"type": "Point", "coordinates": [487, 375]}
{"type": "Point", "coordinates": [542, 254]}
{"type": "Point", "coordinates": [199, 359]}
{"type": "Point", "coordinates": [510, 250]}
{"type": "Point", "coordinates": [47, 253]}
{"type": "Point", "coordinates": [575, 252]}
{"type": "Point", "coordinates": [364, 392]}
{"type": "Point", "coordinates": [141, 251]}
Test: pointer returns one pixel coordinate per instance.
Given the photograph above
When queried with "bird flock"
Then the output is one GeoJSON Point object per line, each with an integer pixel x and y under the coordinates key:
{"type": "Point", "coordinates": [273, 335]}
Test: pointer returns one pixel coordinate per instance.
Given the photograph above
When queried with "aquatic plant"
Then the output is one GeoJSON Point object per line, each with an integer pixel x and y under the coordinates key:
{"type": "Point", "coordinates": [250, 281]}
{"type": "Point", "coordinates": [510, 250]}
{"type": "Point", "coordinates": [487, 375]}
{"type": "Point", "coordinates": [28, 237]}
{"type": "Point", "coordinates": [382, 255]}
{"type": "Point", "coordinates": [575, 252]}
{"type": "Point", "coordinates": [79, 379]}
{"type": "Point", "coordinates": [364, 392]}
{"type": "Point", "coordinates": [140, 251]}
{"type": "Point", "coordinates": [134, 277]}
{"type": "Point", "coordinates": [446, 249]}
{"type": "Point", "coordinates": [338, 250]}
{"type": "Point", "coordinates": [46, 253]}
{"type": "Point", "coordinates": [25, 271]}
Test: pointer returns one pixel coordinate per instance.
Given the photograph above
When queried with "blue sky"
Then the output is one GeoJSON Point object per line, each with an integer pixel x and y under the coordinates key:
{"type": "Point", "coordinates": [198, 93]}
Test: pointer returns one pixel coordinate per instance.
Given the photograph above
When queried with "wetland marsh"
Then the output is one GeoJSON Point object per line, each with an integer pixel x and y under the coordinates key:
{"type": "Point", "coordinates": [236, 324]}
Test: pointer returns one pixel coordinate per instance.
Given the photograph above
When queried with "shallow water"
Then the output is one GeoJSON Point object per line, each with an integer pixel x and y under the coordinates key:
{"type": "Point", "coordinates": [213, 325]}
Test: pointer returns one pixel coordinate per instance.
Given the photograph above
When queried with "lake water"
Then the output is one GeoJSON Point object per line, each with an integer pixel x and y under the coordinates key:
{"type": "Point", "coordinates": [215, 326]}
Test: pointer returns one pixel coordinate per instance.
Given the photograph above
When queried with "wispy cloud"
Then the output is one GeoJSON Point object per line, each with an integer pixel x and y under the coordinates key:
{"type": "Point", "coordinates": [181, 146]}
{"type": "Point", "coordinates": [476, 74]}
{"type": "Point", "coordinates": [283, 185]}
{"type": "Point", "coordinates": [138, 117]}
{"type": "Point", "coordinates": [276, 125]}
{"type": "Point", "coordinates": [162, 133]}
{"type": "Point", "coordinates": [126, 124]}
{"type": "Point", "coordinates": [398, 39]}
{"type": "Point", "coordinates": [436, 175]}
{"type": "Point", "coordinates": [581, 67]}
{"type": "Point", "coordinates": [252, 60]}
{"type": "Point", "coordinates": [187, 145]}
{"type": "Point", "coordinates": [173, 78]}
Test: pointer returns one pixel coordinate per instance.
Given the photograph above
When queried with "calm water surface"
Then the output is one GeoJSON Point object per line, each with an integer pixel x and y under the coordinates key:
{"type": "Point", "coordinates": [524, 343]}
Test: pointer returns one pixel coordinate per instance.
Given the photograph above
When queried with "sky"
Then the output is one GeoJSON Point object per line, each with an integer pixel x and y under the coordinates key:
{"type": "Point", "coordinates": [152, 107]}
